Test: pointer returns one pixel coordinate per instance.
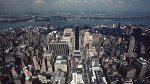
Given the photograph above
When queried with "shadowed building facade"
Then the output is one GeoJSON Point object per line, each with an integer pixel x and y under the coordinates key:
{"type": "Point", "coordinates": [59, 48]}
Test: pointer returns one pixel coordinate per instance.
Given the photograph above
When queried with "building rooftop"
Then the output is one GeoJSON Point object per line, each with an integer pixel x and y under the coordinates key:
{"type": "Point", "coordinates": [67, 30]}
{"type": "Point", "coordinates": [129, 67]}
{"type": "Point", "coordinates": [58, 42]}
{"type": "Point", "coordinates": [48, 52]}
{"type": "Point", "coordinates": [61, 60]}
{"type": "Point", "coordinates": [77, 70]}
{"type": "Point", "coordinates": [60, 57]}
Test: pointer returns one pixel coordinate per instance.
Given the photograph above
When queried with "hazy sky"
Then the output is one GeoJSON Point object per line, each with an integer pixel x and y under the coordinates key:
{"type": "Point", "coordinates": [94, 5]}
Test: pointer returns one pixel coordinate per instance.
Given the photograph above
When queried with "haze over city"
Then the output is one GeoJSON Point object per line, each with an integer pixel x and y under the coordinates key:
{"type": "Point", "coordinates": [21, 6]}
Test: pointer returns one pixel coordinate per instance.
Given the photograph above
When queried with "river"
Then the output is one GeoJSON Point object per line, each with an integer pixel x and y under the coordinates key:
{"type": "Point", "coordinates": [89, 22]}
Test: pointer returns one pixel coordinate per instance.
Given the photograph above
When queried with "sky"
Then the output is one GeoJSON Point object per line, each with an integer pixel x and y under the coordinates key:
{"type": "Point", "coordinates": [81, 5]}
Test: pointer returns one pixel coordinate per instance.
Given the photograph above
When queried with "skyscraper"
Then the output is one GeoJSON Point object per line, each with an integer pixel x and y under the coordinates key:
{"type": "Point", "coordinates": [15, 76]}
{"type": "Point", "coordinates": [141, 67]}
{"type": "Point", "coordinates": [119, 29]}
{"type": "Point", "coordinates": [77, 38]}
{"type": "Point", "coordinates": [119, 25]}
{"type": "Point", "coordinates": [59, 47]}
{"type": "Point", "coordinates": [131, 47]}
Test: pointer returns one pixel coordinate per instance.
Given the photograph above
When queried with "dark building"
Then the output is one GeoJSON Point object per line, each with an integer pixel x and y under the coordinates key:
{"type": "Point", "coordinates": [113, 78]}
{"type": "Point", "coordinates": [59, 48]}
{"type": "Point", "coordinates": [137, 32]}
{"type": "Point", "coordinates": [141, 67]}
{"type": "Point", "coordinates": [129, 71]}
{"type": "Point", "coordinates": [119, 29]}
{"type": "Point", "coordinates": [129, 30]}
{"type": "Point", "coordinates": [48, 25]}
{"type": "Point", "coordinates": [77, 38]}
{"type": "Point", "coordinates": [119, 25]}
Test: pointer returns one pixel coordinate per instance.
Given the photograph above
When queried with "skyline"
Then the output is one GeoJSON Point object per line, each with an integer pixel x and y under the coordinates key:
{"type": "Point", "coordinates": [23, 6]}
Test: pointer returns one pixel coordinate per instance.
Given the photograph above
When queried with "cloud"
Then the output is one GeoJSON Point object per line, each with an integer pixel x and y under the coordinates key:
{"type": "Point", "coordinates": [74, 1]}
{"type": "Point", "coordinates": [71, 1]}
{"type": "Point", "coordinates": [82, 2]}
{"type": "Point", "coordinates": [47, 5]}
{"type": "Point", "coordinates": [121, 2]}
{"type": "Point", "coordinates": [39, 1]}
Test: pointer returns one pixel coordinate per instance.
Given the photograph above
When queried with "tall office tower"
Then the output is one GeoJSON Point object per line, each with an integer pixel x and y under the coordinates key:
{"type": "Point", "coordinates": [2, 41]}
{"type": "Point", "coordinates": [129, 30]}
{"type": "Point", "coordinates": [5, 41]}
{"type": "Point", "coordinates": [129, 71]}
{"type": "Point", "coordinates": [68, 34]}
{"type": "Point", "coordinates": [86, 39]}
{"type": "Point", "coordinates": [59, 48]}
{"type": "Point", "coordinates": [142, 49]}
{"type": "Point", "coordinates": [131, 47]}
{"type": "Point", "coordinates": [48, 25]}
{"type": "Point", "coordinates": [43, 65]}
{"type": "Point", "coordinates": [113, 51]}
{"type": "Point", "coordinates": [48, 55]}
{"type": "Point", "coordinates": [15, 76]}
{"type": "Point", "coordinates": [141, 67]}
{"type": "Point", "coordinates": [77, 77]}
{"type": "Point", "coordinates": [49, 66]}
{"type": "Point", "coordinates": [77, 38]}
{"type": "Point", "coordinates": [119, 25]}
{"type": "Point", "coordinates": [35, 63]}
{"type": "Point", "coordinates": [137, 32]}
{"type": "Point", "coordinates": [114, 25]}
{"type": "Point", "coordinates": [118, 29]}
{"type": "Point", "coordinates": [96, 38]}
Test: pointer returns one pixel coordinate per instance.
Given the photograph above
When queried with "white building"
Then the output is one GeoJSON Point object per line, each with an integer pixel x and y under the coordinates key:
{"type": "Point", "coordinates": [61, 63]}
{"type": "Point", "coordinates": [77, 77]}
